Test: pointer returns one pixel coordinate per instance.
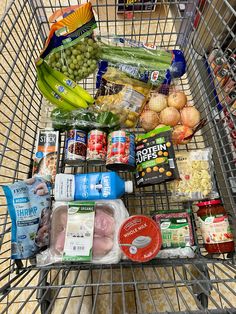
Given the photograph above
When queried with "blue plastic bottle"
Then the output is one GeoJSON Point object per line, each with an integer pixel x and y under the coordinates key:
{"type": "Point", "coordinates": [91, 186]}
{"type": "Point", "coordinates": [100, 185]}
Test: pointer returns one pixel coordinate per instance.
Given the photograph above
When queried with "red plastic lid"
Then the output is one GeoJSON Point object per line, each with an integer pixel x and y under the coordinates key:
{"type": "Point", "coordinates": [213, 202]}
{"type": "Point", "coordinates": [140, 238]}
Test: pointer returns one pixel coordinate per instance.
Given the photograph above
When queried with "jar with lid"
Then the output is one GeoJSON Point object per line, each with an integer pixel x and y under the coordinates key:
{"type": "Point", "coordinates": [215, 229]}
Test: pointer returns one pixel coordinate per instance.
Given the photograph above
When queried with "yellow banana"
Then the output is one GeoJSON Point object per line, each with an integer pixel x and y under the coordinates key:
{"type": "Point", "coordinates": [51, 96]}
{"type": "Point", "coordinates": [70, 84]}
{"type": "Point", "coordinates": [62, 90]}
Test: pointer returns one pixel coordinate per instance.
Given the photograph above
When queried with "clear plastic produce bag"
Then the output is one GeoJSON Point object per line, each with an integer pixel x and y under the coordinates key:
{"type": "Point", "coordinates": [196, 176]}
{"type": "Point", "coordinates": [122, 95]}
{"type": "Point", "coordinates": [83, 119]}
{"type": "Point", "coordinates": [142, 61]}
{"type": "Point", "coordinates": [70, 47]}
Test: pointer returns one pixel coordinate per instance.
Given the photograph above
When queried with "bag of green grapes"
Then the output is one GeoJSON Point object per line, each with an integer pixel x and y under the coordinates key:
{"type": "Point", "coordinates": [70, 47]}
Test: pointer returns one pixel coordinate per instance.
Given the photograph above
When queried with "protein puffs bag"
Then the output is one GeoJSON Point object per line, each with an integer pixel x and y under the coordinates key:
{"type": "Point", "coordinates": [70, 47]}
{"type": "Point", "coordinates": [122, 95]}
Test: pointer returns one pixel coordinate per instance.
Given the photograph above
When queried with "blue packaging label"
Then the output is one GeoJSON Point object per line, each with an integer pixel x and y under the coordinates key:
{"type": "Point", "coordinates": [94, 186]}
{"type": "Point", "coordinates": [76, 145]}
{"type": "Point", "coordinates": [29, 209]}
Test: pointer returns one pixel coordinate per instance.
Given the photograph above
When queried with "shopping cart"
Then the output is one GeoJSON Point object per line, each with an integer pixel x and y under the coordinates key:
{"type": "Point", "coordinates": [206, 284]}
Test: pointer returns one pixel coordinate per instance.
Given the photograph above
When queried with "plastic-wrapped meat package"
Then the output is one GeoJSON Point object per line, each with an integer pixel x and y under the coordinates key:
{"type": "Point", "coordinates": [109, 215]}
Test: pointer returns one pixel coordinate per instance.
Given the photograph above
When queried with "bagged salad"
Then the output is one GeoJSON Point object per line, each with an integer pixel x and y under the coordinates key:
{"type": "Point", "coordinates": [70, 47]}
{"type": "Point", "coordinates": [29, 208]}
{"type": "Point", "coordinates": [83, 119]}
{"type": "Point", "coordinates": [85, 231]}
{"type": "Point", "coordinates": [144, 62]}
{"type": "Point", "coordinates": [196, 176]}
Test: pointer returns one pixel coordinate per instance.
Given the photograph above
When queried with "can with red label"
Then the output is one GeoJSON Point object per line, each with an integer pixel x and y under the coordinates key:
{"type": "Point", "coordinates": [121, 151]}
{"type": "Point", "coordinates": [97, 147]}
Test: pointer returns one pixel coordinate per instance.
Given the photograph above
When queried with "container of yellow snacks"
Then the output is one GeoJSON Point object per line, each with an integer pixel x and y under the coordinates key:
{"type": "Point", "coordinates": [155, 158]}
{"type": "Point", "coordinates": [196, 176]}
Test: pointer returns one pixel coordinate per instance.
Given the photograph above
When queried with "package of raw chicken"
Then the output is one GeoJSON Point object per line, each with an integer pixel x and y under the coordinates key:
{"type": "Point", "coordinates": [85, 231]}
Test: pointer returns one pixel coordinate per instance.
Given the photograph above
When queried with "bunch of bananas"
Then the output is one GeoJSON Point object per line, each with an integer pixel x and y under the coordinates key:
{"type": "Point", "coordinates": [61, 90]}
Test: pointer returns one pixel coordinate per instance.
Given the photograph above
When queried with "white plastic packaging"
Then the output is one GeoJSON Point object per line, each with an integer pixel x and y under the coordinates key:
{"type": "Point", "coordinates": [108, 217]}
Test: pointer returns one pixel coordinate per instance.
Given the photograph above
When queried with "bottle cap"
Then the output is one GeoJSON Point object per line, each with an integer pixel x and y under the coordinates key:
{"type": "Point", "coordinates": [129, 187]}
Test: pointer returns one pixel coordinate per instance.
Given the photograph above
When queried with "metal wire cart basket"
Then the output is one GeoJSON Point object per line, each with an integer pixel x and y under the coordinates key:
{"type": "Point", "coordinates": [206, 284]}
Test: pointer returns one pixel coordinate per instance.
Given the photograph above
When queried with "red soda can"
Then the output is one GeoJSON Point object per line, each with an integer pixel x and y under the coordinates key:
{"type": "Point", "coordinates": [96, 147]}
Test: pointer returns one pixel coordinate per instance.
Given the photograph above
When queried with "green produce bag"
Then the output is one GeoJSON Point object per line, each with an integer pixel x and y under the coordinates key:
{"type": "Point", "coordinates": [70, 47]}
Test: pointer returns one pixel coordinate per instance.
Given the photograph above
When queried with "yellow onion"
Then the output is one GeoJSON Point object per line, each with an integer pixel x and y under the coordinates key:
{"type": "Point", "coordinates": [170, 116]}
{"type": "Point", "coordinates": [149, 120]}
{"type": "Point", "coordinates": [190, 116]}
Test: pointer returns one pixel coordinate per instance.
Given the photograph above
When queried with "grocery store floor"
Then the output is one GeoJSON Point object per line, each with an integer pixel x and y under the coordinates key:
{"type": "Point", "coordinates": [71, 309]}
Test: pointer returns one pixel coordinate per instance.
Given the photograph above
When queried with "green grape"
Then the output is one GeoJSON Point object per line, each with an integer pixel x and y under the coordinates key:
{"type": "Point", "coordinates": [71, 76]}
{"type": "Point", "coordinates": [54, 64]}
{"type": "Point", "coordinates": [67, 52]}
{"type": "Point", "coordinates": [90, 49]}
{"type": "Point", "coordinates": [95, 45]}
{"type": "Point", "coordinates": [75, 73]}
{"type": "Point", "coordinates": [75, 61]}
{"type": "Point", "coordinates": [90, 41]}
{"type": "Point", "coordinates": [77, 66]}
{"type": "Point", "coordinates": [79, 57]}
{"type": "Point", "coordinates": [85, 40]}
{"type": "Point", "coordinates": [57, 55]}
{"type": "Point", "coordinates": [72, 57]}
{"type": "Point", "coordinates": [93, 66]}
{"type": "Point", "coordinates": [58, 64]}
{"type": "Point", "coordinates": [89, 62]}
{"type": "Point", "coordinates": [69, 61]}
{"type": "Point", "coordinates": [77, 78]}
{"type": "Point", "coordinates": [64, 69]}
{"type": "Point", "coordinates": [88, 55]}
{"type": "Point", "coordinates": [52, 58]}
{"type": "Point", "coordinates": [83, 48]}
{"type": "Point", "coordinates": [74, 52]}
{"type": "Point", "coordinates": [66, 73]}
{"type": "Point", "coordinates": [70, 71]}
{"type": "Point", "coordinates": [72, 66]}
{"type": "Point", "coordinates": [94, 62]}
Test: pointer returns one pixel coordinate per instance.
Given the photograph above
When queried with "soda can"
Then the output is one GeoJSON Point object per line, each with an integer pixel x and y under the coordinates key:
{"type": "Point", "coordinates": [121, 151]}
{"type": "Point", "coordinates": [97, 147]}
{"type": "Point", "coordinates": [75, 147]}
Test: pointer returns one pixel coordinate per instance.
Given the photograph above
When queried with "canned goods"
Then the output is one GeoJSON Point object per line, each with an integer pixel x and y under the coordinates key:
{"type": "Point", "coordinates": [97, 147]}
{"type": "Point", "coordinates": [121, 151]}
{"type": "Point", "coordinates": [222, 76]}
{"type": "Point", "coordinates": [228, 52]}
{"type": "Point", "coordinates": [217, 64]}
{"type": "Point", "coordinates": [233, 108]}
{"type": "Point", "coordinates": [230, 84]}
{"type": "Point", "coordinates": [75, 147]}
{"type": "Point", "coordinates": [231, 60]}
{"type": "Point", "coordinates": [214, 54]}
